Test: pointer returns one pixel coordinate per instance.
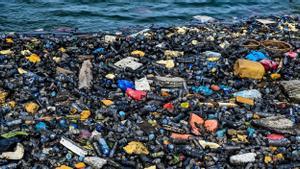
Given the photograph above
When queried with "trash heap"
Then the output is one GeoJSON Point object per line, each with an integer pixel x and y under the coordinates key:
{"type": "Point", "coordinates": [205, 96]}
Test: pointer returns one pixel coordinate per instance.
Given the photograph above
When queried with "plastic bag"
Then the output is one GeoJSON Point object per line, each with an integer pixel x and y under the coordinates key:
{"type": "Point", "coordinates": [248, 69]}
{"type": "Point", "coordinates": [135, 147]}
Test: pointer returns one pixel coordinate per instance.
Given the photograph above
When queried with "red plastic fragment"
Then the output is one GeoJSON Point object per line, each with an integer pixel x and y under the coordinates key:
{"type": "Point", "coordinates": [169, 107]}
{"type": "Point", "coordinates": [211, 125]}
{"type": "Point", "coordinates": [135, 94]}
{"type": "Point", "coordinates": [275, 136]}
{"type": "Point", "coordinates": [178, 136]}
{"type": "Point", "coordinates": [195, 120]}
{"type": "Point", "coordinates": [291, 54]}
{"type": "Point", "coordinates": [269, 64]}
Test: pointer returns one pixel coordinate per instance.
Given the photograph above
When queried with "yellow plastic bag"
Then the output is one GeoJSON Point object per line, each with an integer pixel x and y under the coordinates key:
{"type": "Point", "coordinates": [107, 102]}
{"type": "Point", "coordinates": [62, 49]}
{"type": "Point", "coordinates": [185, 105]}
{"type": "Point", "coordinates": [268, 159]}
{"type": "Point", "coordinates": [85, 114]}
{"type": "Point", "coordinates": [9, 40]}
{"type": "Point", "coordinates": [31, 107]}
{"type": "Point", "coordinates": [138, 53]}
{"type": "Point", "coordinates": [12, 104]}
{"type": "Point", "coordinates": [249, 69]}
{"type": "Point", "coordinates": [3, 96]}
{"type": "Point", "coordinates": [34, 58]}
{"type": "Point", "coordinates": [242, 137]}
{"type": "Point", "coordinates": [135, 147]}
{"type": "Point", "coordinates": [173, 53]}
{"type": "Point", "coordinates": [279, 156]}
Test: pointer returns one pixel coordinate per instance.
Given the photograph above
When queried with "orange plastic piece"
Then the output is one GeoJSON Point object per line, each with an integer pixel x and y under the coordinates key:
{"type": "Point", "coordinates": [63, 167]}
{"type": "Point", "coordinates": [275, 76]}
{"type": "Point", "coordinates": [245, 100]}
{"type": "Point", "coordinates": [249, 69]}
{"type": "Point", "coordinates": [178, 136]}
{"type": "Point", "coordinates": [165, 94]}
{"type": "Point", "coordinates": [80, 165]}
{"type": "Point", "coordinates": [215, 87]}
{"type": "Point", "coordinates": [211, 125]}
{"type": "Point", "coordinates": [195, 119]}
{"type": "Point", "coordinates": [166, 142]}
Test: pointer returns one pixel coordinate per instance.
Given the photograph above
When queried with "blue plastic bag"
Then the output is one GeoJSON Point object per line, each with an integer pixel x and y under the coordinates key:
{"type": "Point", "coordinates": [221, 133]}
{"type": "Point", "coordinates": [203, 90]}
{"type": "Point", "coordinates": [256, 56]}
{"type": "Point", "coordinates": [226, 89]}
{"type": "Point", "coordinates": [250, 131]}
{"type": "Point", "coordinates": [98, 50]}
{"type": "Point", "coordinates": [41, 126]}
{"type": "Point", "coordinates": [124, 84]}
{"type": "Point", "coordinates": [211, 65]}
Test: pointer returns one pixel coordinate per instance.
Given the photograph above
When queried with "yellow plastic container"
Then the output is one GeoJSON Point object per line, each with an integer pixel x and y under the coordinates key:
{"type": "Point", "coordinates": [249, 69]}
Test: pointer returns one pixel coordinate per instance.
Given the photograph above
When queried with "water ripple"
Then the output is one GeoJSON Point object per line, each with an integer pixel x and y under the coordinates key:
{"type": "Point", "coordinates": [92, 15]}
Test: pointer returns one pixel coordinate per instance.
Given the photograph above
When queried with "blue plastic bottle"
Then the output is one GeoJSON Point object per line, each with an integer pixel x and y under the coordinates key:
{"type": "Point", "coordinates": [103, 146]}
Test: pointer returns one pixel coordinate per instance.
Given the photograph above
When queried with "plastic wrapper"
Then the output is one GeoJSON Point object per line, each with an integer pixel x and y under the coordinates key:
{"type": "Point", "coordinates": [248, 69]}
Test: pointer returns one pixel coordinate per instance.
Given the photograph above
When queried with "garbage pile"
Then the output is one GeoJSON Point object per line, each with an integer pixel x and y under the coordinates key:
{"type": "Point", "coordinates": [205, 96]}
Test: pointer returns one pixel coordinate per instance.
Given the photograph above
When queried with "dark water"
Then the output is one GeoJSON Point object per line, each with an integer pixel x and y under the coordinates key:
{"type": "Point", "coordinates": [92, 15]}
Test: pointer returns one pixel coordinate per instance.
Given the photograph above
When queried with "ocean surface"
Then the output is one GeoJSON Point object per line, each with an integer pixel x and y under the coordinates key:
{"type": "Point", "coordinates": [92, 15]}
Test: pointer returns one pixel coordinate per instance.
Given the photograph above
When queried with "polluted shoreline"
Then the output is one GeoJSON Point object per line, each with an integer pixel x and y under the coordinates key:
{"type": "Point", "coordinates": [205, 96]}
